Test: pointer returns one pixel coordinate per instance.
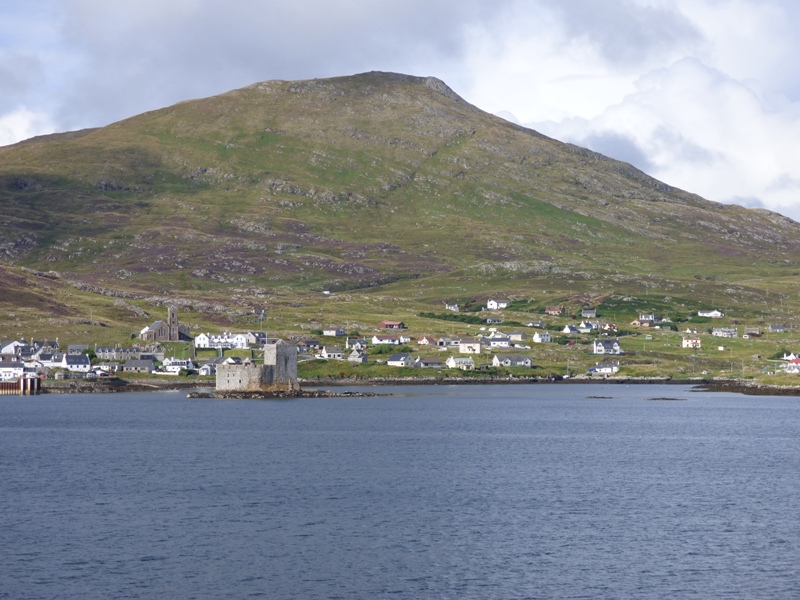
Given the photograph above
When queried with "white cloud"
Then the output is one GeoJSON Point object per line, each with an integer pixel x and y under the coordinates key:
{"type": "Point", "coordinates": [23, 123]}
{"type": "Point", "coordinates": [700, 130]}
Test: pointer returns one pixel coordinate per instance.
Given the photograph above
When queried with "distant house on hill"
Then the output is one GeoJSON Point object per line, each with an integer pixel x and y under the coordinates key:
{"type": "Point", "coordinates": [610, 346]}
{"type": "Point", "coordinates": [392, 325]}
{"type": "Point", "coordinates": [714, 314]}
{"type": "Point", "coordinates": [691, 342]}
{"type": "Point", "coordinates": [496, 304]}
{"type": "Point", "coordinates": [555, 310]}
{"type": "Point", "coordinates": [333, 331]}
{"type": "Point", "coordinates": [469, 346]}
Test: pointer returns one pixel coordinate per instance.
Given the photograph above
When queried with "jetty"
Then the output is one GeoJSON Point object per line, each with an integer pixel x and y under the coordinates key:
{"type": "Point", "coordinates": [23, 386]}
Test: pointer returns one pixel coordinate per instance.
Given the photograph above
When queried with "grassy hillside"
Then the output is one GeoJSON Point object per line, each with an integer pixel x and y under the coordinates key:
{"type": "Point", "coordinates": [388, 189]}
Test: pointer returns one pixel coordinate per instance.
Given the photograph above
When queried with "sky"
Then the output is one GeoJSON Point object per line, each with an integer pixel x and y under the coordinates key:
{"type": "Point", "coordinates": [701, 94]}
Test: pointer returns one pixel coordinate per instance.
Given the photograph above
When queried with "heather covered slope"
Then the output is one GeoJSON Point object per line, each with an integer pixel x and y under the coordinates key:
{"type": "Point", "coordinates": [363, 181]}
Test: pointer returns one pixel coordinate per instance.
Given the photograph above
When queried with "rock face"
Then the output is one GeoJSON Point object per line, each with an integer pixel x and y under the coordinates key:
{"type": "Point", "coordinates": [277, 374]}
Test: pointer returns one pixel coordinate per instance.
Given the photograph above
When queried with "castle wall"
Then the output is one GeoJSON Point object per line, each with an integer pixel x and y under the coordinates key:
{"type": "Point", "coordinates": [278, 374]}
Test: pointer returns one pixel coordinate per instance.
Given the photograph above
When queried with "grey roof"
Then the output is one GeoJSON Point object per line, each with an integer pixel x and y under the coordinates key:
{"type": "Point", "coordinates": [78, 359]}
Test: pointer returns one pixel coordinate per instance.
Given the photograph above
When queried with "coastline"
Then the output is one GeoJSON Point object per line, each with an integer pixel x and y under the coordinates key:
{"type": "Point", "coordinates": [117, 385]}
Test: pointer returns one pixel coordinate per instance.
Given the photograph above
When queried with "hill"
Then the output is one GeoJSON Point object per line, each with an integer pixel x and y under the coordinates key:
{"type": "Point", "coordinates": [267, 195]}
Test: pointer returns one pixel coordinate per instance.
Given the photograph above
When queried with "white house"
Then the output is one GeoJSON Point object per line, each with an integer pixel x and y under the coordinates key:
{"type": "Point", "coordinates": [465, 364]}
{"type": "Point", "coordinates": [714, 314]}
{"type": "Point", "coordinates": [174, 366]}
{"type": "Point", "coordinates": [391, 340]}
{"type": "Point", "coordinates": [609, 346]}
{"type": "Point", "coordinates": [793, 366]}
{"type": "Point", "coordinates": [401, 360]}
{"type": "Point", "coordinates": [511, 360]}
{"type": "Point", "coordinates": [725, 332]}
{"type": "Point", "coordinates": [469, 346]}
{"type": "Point", "coordinates": [541, 337]}
{"type": "Point", "coordinates": [426, 341]}
{"type": "Point", "coordinates": [355, 344]}
{"type": "Point", "coordinates": [430, 363]}
{"type": "Point", "coordinates": [357, 356]}
{"type": "Point", "coordinates": [691, 342]}
{"type": "Point", "coordinates": [605, 368]}
{"type": "Point", "coordinates": [331, 353]}
{"type": "Point", "coordinates": [333, 332]}
{"type": "Point", "coordinates": [11, 370]}
{"type": "Point", "coordinates": [518, 336]}
{"type": "Point", "coordinates": [76, 363]}
{"type": "Point", "coordinates": [494, 304]}
{"type": "Point", "coordinates": [499, 341]}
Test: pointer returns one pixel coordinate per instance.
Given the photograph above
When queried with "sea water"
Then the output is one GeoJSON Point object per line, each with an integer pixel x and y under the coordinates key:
{"type": "Point", "coordinates": [515, 491]}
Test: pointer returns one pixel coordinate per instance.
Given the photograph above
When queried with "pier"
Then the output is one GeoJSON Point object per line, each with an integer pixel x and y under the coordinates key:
{"type": "Point", "coordinates": [24, 386]}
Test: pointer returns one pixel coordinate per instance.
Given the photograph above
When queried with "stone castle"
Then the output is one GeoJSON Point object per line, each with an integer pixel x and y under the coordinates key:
{"type": "Point", "coordinates": [277, 374]}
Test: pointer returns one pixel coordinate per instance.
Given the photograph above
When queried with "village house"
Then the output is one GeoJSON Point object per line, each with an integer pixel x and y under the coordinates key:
{"type": "Point", "coordinates": [555, 311]}
{"type": "Point", "coordinates": [793, 366]}
{"type": "Point", "coordinates": [538, 324]}
{"type": "Point", "coordinates": [447, 342]}
{"type": "Point", "coordinates": [76, 363]}
{"type": "Point", "coordinates": [223, 340]}
{"type": "Point", "coordinates": [77, 348]}
{"type": "Point", "coordinates": [777, 328]}
{"type": "Point", "coordinates": [357, 356]}
{"type": "Point", "coordinates": [401, 360]}
{"type": "Point", "coordinates": [465, 364]}
{"type": "Point", "coordinates": [308, 346]}
{"type": "Point", "coordinates": [331, 353]}
{"type": "Point", "coordinates": [430, 363]}
{"type": "Point", "coordinates": [714, 314]}
{"type": "Point", "coordinates": [499, 340]}
{"type": "Point", "coordinates": [518, 336]}
{"type": "Point", "coordinates": [11, 370]}
{"type": "Point", "coordinates": [333, 331]}
{"type": "Point", "coordinates": [356, 344]}
{"type": "Point", "coordinates": [493, 321]}
{"type": "Point", "coordinates": [751, 332]}
{"type": "Point", "coordinates": [207, 369]}
{"type": "Point", "coordinates": [496, 304]}
{"type": "Point", "coordinates": [570, 330]}
{"type": "Point", "coordinates": [173, 366]}
{"type": "Point", "coordinates": [469, 346]}
{"type": "Point", "coordinates": [392, 325]}
{"type": "Point", "coordinates": [725, 332]}
{"type": "Point", "coordinates": [541, 337]}
{"type": "Point", "coordinates": [117, 353]}
{"type": "Point", "coordinates": [610, 346]}
{"type": "Point", "coordinates": [426, 341]}
{"type": "Point", "coordinates": [139, 366]}
{"type": "Point", "coordinates": [390, 340]}
{"type": "Point", "coordinates": [691, 342]}
{"type": "Point", "coordinates": [608, 368]}
{"type": "Point", "coordinates": [511, 360]}
{"type": "Point", "coordinates": [588, 313]}
{"type": "Point", "coordinates": [451, 307]}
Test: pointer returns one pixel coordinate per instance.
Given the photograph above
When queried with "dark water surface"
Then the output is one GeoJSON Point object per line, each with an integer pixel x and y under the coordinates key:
{"type": "Point", "coordinates": [539, 491]}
